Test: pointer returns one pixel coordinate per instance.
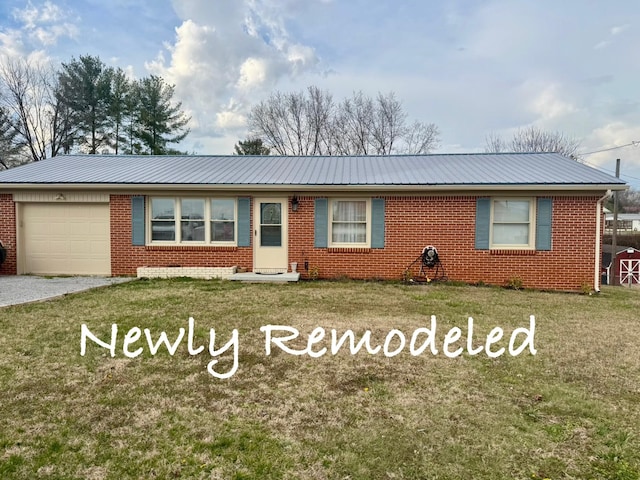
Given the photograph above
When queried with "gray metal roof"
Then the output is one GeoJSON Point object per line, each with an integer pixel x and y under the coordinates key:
{"type": "Point", "coordinates": [420, 171]}
{"type": "Point", "coordinates": [623, 216]}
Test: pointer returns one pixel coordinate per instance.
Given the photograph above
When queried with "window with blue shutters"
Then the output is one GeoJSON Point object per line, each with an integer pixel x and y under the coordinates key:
{"type": "Point", "coordinates": [349, 223]}
{"type": "Point", "coordinates": [513, 223]}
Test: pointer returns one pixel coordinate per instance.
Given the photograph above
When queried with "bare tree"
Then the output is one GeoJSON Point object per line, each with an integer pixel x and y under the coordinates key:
{"type": "Point", "coordinates": [27, 93]}
{"type": "Point", "coordinates": [312, 124]}
{"type": "Point", "coordinates": [388, 123]}
{"type": "Point", "coordinates": [534, 139]}
{"type": "Point", "coordinates": [294, 123]}
{"type": "Point", "coordinates": [630, 201]}
{"type": "Point", "coordinates": [320, 110]}
{"type": "Point", "coordinates": [356, 119]}
{"type": "Point", "coordinates": [420, 138]}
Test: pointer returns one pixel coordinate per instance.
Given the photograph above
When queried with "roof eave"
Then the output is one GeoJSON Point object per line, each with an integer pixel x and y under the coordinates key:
{"type": "Point", "coordinates": [309, 188]}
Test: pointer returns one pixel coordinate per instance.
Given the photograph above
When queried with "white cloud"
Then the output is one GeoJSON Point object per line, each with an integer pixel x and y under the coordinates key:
{"type": "Point", "coordinates": [472, 68]}
{"type": "Point", "coordinates": [230, 120]}
{"type": "Point", "coordinates": [619, 29]}
{"type": "Point", "coordinates": [225, 56]}
{"type": "Point", "coordinates": [614, 31]}
{"type": "Point", "coordinates": [50, 35]}
{"type": "Point", "coordinates": [300, 57]}
{"type": "Point", "coordinates": [611, 136]}
{"type": "Point", "coordinates": [612, 141]}
{"type": "Point", "coordinates": [45, 24]}
{"type": "Point", "coordinates": [11, 43]}
{"type": "Point", "coordinates": [549, 104]}
{"type": "Point", "coordinates": [51, 13]}
{"type": "Point", "coordinates": [253, 73]}
{"type": "Point", "coordinates": [29, 15]}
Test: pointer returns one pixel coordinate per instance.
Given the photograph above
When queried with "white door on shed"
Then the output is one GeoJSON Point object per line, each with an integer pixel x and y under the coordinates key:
{"type": "Point", "coordinates": [65, 239]}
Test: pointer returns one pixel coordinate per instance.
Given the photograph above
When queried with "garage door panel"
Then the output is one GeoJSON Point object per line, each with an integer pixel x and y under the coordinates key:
{"type": "Point", "coordinates": [56, 248]}
{"type": "Point", "coordinates": [71, 239]}
{"type": "Point", "coordinates": [79, 229]}
{"type": "Point", "coordinates": [80, 248]}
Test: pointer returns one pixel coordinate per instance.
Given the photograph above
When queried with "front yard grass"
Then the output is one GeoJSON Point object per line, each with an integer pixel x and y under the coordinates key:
{"type": "Point", "coordinates": [571, 411]}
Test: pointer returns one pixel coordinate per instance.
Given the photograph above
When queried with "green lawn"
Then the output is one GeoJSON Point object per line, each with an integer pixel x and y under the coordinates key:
{"type": "Point", "coordinates": [570, 411]}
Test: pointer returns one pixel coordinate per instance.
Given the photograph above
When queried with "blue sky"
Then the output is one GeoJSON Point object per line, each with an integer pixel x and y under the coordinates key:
{"type": "Point", "coordinates": [471, 67]}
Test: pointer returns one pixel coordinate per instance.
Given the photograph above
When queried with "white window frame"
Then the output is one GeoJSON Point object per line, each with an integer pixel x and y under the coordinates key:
{"type": "Point", "coordinates": [531, 245]}
{"type": "Point", "coordinates": [177, 205]}
{"type": "Point", "coordinates": [333, 244]}
{"type": "Point", "coordinates": [210, 221]}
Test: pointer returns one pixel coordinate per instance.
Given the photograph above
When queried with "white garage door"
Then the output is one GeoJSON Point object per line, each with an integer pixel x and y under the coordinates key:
{"type": "Point", "coordinates": [65, 239]}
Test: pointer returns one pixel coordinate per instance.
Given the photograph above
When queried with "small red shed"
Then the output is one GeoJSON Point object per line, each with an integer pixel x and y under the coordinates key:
{"type": "Point", "coordinates": [628, 266]}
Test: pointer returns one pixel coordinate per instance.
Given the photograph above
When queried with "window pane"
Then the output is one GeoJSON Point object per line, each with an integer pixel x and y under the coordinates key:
{"type": "Point", "coordinates": [270, 214]}
{"type": "Point", "coordinates": [511, 234]}
{"type": "Point", "coordinates": [192, 213]}
{"type": "Point", "coordinates": [161, 230]}
{"type": "Point", "coordinates": [222, 231]}
{"type": "Point", "coordinates": [270, 236]}
{"type": "Point", "coordinates": [193, 231]}
{"type": "Point", "coordinates": [163, 227]}
{"type": "Point", "coordinates": [349, 233]}
{"type": "Point", "coordinates": [505, 211]}
{"type": "Point", "coordinates": [162, 208]}
{"type": "Point", "coordinates": [350, 211]}
{"type": "Point", "coordinates": [223, 209]}
{"type": "Point", "coordinates": [192, 209]}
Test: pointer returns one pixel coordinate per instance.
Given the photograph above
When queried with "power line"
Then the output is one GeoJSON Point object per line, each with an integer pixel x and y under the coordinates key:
{"type": "Point", "coordinates": [632, 144]}
{"type": "Point", "coordinates": [623, 176]}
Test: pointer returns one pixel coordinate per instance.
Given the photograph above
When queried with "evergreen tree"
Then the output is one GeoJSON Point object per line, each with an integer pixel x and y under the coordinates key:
{"type": "Point", "coordinates": [251, 146]}
{"type": "Point", "coordinates": [85, 86]}
{"type": "Point", "coordinates": [10, 145]}
{"type": "Point", "coordinates": [160, 121]}
{"type": "Point", "coordinates": [120, 108]}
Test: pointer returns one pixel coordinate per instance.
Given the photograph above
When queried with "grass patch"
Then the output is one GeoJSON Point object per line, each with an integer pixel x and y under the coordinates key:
{"type": "Point", "coordinates": [571, 411]}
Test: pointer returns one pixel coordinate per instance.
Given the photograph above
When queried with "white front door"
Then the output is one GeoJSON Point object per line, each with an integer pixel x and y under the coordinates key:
{"type": "Point", "coordinates": [270, 235]}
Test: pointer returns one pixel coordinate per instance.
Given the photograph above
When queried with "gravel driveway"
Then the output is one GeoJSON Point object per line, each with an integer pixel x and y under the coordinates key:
{"type": "Point", "coordinates": [30, 288]}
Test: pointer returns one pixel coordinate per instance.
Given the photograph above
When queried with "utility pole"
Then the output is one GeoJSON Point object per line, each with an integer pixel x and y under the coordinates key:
{"type": "Point", "coordinates": [614, 233]}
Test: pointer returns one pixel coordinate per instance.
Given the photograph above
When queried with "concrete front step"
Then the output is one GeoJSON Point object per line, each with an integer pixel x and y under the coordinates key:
{"type": "Point", "coordinates": [264, 277]}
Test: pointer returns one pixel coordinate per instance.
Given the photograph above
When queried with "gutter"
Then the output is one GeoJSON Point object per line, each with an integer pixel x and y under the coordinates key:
{"type": "Point", "coordinates": [596, 283]}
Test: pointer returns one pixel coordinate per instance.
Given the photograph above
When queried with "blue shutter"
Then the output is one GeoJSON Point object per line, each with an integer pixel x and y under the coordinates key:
{"type": "Point", "coordinates": [543, 224]}
{"type": "Point", "coordinates": [377, 223]}
{"type": "Point", "coordinates": [244, 222]}
{"type": "Point", "coordinates": [321, 223]}
{"type": "Point", "coordinates": [483, 223]}
{"type": "Point", "coordinates": [137, 221]}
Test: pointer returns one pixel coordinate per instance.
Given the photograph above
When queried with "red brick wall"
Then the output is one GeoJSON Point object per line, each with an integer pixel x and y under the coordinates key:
{"type": "Point", "coordinates": [125, 257]}
{"type": "Point", "coordinates": [411, 223]}
{"type": "Point", "coordinates": [8, 233]}
{"type": "Point", "coordinates": [448, 223]}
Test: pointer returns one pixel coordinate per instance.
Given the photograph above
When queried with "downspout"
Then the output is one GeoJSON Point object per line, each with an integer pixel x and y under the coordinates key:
{"type": "Point", "coordinates": [596, 283]}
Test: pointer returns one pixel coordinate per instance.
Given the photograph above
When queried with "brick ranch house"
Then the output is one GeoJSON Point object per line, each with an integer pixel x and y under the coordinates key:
{"type": "Point", "coordinates": [492, 217]}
